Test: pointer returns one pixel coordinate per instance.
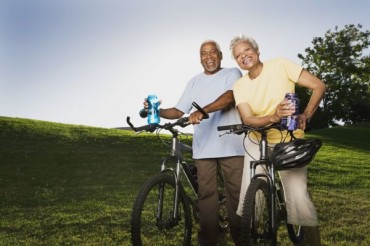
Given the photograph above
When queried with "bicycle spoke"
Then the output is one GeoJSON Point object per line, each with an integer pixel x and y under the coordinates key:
{"type": "Point", "coordinates": [256, 220]}
{"type": "Point", "coordinates": [153, 222]}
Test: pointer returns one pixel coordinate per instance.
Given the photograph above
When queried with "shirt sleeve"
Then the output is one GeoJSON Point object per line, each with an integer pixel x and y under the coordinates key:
{"type": "Point", "coordinates": [293, 70]}
{"type": "Point", "coordinates": [185, 102]}
{"type": "Point", "coordinates": [239, 91]}
{"type": "Point", "coordinates": [234, 75]}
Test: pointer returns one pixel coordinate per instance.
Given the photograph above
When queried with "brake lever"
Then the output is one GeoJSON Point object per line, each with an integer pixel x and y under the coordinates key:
{"type": "Point", "coordinates": [223, 134]}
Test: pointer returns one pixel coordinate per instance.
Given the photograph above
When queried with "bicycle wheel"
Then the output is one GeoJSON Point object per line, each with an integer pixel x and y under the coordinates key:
{"type": "Point", "coordinates": [256, 222]}
{"type": "Point", "coordinates": [152, 215]}
{"type": "Point", "coordinates": [295, 232]}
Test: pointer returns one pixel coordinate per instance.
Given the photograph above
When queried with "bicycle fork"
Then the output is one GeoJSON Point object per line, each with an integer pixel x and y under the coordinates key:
{"type": "Point", "coordinates": [173, 221]}
{"type": "Point", "coordinates": [269, 177]}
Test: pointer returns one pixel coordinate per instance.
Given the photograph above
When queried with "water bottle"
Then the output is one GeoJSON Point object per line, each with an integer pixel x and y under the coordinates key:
{"type": "Point", "coordinates": [290, 123]}
{"type": "Point", "coordinates": [153, 110]}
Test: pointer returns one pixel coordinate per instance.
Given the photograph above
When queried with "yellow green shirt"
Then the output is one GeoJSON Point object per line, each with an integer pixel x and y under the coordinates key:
{"type": "Point", "coordinates": [265, 92]}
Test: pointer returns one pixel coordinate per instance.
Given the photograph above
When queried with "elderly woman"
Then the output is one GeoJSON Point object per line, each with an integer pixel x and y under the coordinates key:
{"type": "Point", "coordinates": [259, 97]}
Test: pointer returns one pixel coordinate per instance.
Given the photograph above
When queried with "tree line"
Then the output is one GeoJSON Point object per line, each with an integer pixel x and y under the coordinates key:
{"type": "Point", "coordinates": [341, 60]}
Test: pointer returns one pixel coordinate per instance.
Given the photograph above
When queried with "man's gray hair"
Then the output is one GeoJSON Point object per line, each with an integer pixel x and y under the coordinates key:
{"type": "Point", "coordinates": [212, 41]}
{"type": "Point", "coordinates": [242, 38]}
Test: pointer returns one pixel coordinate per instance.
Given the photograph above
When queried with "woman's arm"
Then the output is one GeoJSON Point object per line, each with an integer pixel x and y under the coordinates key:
{"type": "Point", "coordinates": [282, 110]}
{"type": "Point", "coordinates": [311, 82]}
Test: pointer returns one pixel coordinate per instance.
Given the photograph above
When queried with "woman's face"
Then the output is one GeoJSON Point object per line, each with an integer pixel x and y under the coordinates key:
{"type": "Point", "coordinates": [245, 55]}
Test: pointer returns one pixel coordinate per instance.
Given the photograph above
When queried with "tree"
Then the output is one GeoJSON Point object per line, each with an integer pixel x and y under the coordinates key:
{"type": "Point", "coordinates": [339, 60]}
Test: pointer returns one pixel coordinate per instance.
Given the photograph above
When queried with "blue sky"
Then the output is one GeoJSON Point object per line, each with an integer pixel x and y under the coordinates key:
{"type": "Point", "coordinates": [91, 62]}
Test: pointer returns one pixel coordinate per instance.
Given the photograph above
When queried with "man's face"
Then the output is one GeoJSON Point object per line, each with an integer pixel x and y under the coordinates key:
{"type": "Point", "coordinates": [210, 58]}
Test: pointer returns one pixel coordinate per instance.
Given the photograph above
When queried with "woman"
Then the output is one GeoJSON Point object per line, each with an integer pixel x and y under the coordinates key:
{"type": "Point", "coordinates": [259, 97]}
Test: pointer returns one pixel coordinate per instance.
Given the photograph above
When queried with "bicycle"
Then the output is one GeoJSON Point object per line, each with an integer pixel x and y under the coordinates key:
{"type": "Point", "coordinates": [162, 211]}
{"type": "Point", "coordinates": [264, 207]}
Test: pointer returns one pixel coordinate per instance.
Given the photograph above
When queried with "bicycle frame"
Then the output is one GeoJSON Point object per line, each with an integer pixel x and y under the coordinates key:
{"type": "Point", "coordinates": [169, 207]}
{"type": "Point", "coordinates": [176, 152]}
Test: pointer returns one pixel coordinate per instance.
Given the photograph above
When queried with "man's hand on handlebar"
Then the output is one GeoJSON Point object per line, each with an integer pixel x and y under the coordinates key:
{"type": "Point", "coordinates": [196, 117]}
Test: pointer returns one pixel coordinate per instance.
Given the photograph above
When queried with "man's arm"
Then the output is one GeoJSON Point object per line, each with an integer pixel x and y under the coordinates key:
{"type": "Point", "coordinates": [170, 113]}
{"type": "Point", "coordinates": [224, 101]}
{"type": "Point", "coordinates": [167, 113]}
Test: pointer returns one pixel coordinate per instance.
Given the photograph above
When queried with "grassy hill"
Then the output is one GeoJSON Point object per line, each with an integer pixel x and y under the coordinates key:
{"type": "Point", "coordinates": [74, 185]}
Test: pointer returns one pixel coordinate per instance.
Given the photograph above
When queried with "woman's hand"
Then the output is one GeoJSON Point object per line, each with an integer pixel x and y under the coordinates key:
{"type": "Point", "coordinates": [302, 119]}
{"type": "Point", "coordinates": [283, 109]}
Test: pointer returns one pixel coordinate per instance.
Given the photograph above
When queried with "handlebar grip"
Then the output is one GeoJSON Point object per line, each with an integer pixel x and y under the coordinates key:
{"type": "Point", "coordinates": [130, 124]}
{"type": "Point", "coordinates": [149, 128]}
{"type": "Point", "coordinates": [205, 115]}
{"type": "Point", "coordinates": [230, 127]}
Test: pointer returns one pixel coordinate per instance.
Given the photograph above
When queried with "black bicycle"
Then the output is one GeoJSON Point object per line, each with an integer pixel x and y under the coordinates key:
{"type": "Point", "coordinates": [163, 209]}
{"type": "Point", "coordinates": [264, 208]}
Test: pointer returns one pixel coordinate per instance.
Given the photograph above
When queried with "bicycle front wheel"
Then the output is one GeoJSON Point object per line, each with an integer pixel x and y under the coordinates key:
{"type": "Point", "coordinates": [256, 222]}
{"type": "Point", "coordinates": [153, 219]}
{"type": "Point", "coordinates": [295, 232]}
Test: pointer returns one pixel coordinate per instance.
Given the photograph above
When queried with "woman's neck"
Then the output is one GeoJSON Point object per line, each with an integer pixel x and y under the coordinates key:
{"type": "Point", "coordinates": [256, 71]}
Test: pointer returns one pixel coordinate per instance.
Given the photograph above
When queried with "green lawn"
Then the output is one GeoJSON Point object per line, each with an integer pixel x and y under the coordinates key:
{"type": "Point", "coordinates": [73, 185]}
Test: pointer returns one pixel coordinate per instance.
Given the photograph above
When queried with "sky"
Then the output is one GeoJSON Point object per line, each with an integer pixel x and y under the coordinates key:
{"type": "Point", "coordinates": [92, 62]}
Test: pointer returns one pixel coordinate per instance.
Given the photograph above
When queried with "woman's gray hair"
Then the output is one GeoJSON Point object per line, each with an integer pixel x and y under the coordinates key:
{"type": "Point", "coordinates": [212, 41]}
{"type": "Point", "coordinates": [242, 38]}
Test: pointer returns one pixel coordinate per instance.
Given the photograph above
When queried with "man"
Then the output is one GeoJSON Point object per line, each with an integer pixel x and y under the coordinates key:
{"type": "Point", "coordinates": [213, 88]}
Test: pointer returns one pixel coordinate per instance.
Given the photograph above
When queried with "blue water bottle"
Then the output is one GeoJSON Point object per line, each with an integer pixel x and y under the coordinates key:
{"type": "Point", "coordinates": [153, 110]}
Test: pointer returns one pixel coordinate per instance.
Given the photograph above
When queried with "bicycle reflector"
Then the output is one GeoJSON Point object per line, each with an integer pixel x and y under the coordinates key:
{"type": "Point", "coordinates": [297, 153]}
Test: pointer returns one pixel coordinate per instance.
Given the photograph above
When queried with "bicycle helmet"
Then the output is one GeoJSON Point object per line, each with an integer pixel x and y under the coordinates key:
{"type": "Point", "coordinates": [297, 153]}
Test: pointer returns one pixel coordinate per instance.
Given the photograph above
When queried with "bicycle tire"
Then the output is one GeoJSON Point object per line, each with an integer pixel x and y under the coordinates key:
{"type": "Point", "coordinates": [296, 233]}
{"type": "Point", "coordinates": [256, 224]}
{"type": "Point", "coordinates": [146, 229]}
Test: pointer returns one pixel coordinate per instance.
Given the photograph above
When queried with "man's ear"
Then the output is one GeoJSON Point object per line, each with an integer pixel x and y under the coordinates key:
{"type": "Point", "coordinates": [221, 55]}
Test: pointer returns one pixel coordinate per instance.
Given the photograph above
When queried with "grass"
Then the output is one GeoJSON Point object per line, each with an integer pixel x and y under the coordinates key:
{"type": "Point", "coordinates": [74, 185]}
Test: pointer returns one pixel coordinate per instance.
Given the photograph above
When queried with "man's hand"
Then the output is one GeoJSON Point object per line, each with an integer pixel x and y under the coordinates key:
{"type": "Point", "coordinates": [196, 117]}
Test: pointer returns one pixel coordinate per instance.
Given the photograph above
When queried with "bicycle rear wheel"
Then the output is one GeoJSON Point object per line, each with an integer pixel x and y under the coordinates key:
{"type": "Point", "coordinates": [256, 222]}
{"type": "Point", "coordinates": [152, 218]}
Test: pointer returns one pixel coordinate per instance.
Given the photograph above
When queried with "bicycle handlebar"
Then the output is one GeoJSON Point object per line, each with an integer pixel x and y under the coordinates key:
{"type": "Point", "coordinates": [242, 128]}
{"type": "Point", "coordinates": [183, 122]}
{"type": "Point", "coordinates": [143, 113]}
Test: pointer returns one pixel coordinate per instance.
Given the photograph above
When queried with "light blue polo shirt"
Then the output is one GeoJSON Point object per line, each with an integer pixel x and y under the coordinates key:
{"type": "Point", "coordinates": [204, 89]}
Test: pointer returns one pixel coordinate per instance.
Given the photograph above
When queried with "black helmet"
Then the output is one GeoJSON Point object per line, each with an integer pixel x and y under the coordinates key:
{"type": "Point", "coordinates": [297, 153]}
